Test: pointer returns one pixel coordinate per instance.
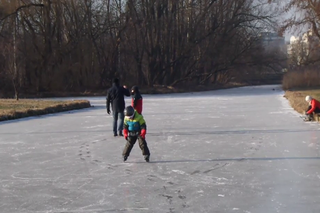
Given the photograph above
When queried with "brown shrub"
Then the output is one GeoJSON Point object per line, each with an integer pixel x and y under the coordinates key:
{"type": "Point", "coordinates": [12, 109]}
{"type": "Point", "coordinates": [308, 77]}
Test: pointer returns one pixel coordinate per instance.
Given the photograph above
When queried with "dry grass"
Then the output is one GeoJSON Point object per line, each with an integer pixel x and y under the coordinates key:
{"type": "Point", "coordinates": [304, 78]}
{"type": "Point", "coordinates": [297, 98]}
{"type": "Point", "coordinates": [13, 109]}
{"type": "Point", "coordinates": [299, 83]}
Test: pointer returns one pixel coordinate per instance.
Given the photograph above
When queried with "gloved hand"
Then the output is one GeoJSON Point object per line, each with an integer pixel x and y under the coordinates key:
{"type": "Point", "coordinates": [125, 134]}
{"type": "Point", "coordinates": [143, 133]}
{"type": "Point", "coordinates": [108, 111]}
{"type": "Point", "coordinates": [306, 113]}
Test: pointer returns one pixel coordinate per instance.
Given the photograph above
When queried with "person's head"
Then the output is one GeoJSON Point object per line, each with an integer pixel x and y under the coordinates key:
{"type": "Point", "coordinates": [308, 98]}
{"type": "Point", "coordinates": [134, 90]}
{"type": "Point", "coordinates": [116, 81]}
{"type": "Point", "coordinates": [129, 112]}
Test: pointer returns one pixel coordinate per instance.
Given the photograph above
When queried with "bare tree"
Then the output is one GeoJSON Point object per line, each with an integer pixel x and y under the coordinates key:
{"type": "Point", "coordinates": [78, 45]}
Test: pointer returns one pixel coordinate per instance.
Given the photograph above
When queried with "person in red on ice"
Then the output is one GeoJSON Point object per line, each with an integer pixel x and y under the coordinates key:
{"type": "Point", "coordinates": [137, 100]}
{"type": "Point", "coordinates": [314, 106]}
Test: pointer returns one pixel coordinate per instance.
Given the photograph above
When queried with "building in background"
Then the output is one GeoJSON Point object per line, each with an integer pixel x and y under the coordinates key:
{"type": "Point", "coordinates": [273, 42]}
{"type": "Point", "coordinates": [275, 50]}
{"type": "Point", "coordinates": [304, 50]}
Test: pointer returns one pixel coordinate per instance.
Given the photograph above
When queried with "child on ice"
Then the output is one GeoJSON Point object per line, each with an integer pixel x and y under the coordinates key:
{"type": "Point", "coordinates": [137, 100]}
{"type": "Point", "coordinates": [135, 128]}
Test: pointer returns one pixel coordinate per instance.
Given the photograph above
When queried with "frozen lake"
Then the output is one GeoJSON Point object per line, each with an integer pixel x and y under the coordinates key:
{"type": "Point", "coordinates": [236, 150]}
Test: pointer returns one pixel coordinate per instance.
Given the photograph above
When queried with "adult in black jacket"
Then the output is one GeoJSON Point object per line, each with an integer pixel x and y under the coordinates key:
{"type": "Point", "coordinates": [115, 97]}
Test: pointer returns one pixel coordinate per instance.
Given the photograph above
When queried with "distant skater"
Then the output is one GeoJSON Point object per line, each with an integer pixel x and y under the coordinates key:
{"type": "Point", "coordinates": [314, 107]}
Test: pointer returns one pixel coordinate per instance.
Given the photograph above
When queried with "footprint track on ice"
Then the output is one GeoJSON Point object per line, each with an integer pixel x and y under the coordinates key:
{"type": "Point", "coordinates": [85, 152]}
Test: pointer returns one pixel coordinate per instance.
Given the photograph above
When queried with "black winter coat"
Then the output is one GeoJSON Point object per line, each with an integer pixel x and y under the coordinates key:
{"type": "Point", "coordinates": [115, 97]}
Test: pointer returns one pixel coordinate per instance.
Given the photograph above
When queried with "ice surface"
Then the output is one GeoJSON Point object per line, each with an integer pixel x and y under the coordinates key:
{"type": "Point", "coordinates": [235, 150]}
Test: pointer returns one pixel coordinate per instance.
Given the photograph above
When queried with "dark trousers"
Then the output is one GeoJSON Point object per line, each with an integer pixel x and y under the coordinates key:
{"type": "Point", "coordinates": [316, 110]}
{"type": "Point", "coordinates": [116, 116]}
{"type": "Point", "coordinates": [130, 143]}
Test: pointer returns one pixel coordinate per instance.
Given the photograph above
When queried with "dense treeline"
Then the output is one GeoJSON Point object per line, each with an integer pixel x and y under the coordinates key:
{"type": "Point", "coordinates": [77, 45]}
